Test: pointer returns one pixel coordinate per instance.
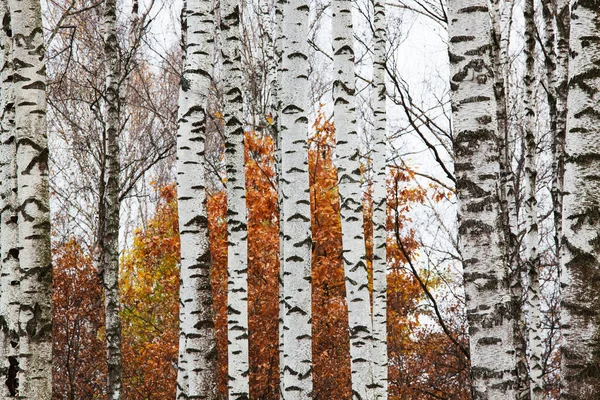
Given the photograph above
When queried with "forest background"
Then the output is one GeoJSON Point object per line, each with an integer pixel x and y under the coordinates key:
{"type": "Point", "coordinates": [426, 321]}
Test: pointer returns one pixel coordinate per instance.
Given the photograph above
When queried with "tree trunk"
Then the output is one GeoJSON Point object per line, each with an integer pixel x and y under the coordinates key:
{"type": "Point", "coordinates": [561, 87]}
{"type": "Point", "coordinates": [532, 260]}
{"type": "Point", "coordinates": [109, 239]}
{"type": "Point", "coordinates": [9, 243]}
{"type": "Point", "coordinates": [491, 325]}
{"type": "Point", "coordinates": [379, 157]}
{"type": "Point", "coordinates": [580, 305]}
{"type": "Point", "coordinates": [237, 229]}
{"type": "Point", "coordinates": [348, 166]}
{"type": "Point", "coordinates": [501, 18]}
{"type": "Point", "coordinates": [35, 314]}
{"type": "Point", "coordinates": [297, 246]}
{"type": "Point", "coordinates": [196, 378]}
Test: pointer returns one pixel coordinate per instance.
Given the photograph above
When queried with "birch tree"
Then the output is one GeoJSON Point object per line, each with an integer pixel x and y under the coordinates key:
{"type": "Point", "coordinates": [532, 261]}
{"type": "Point", "coordinates": [107, 252]}
{"type": "Point", "coordinates": [293, 92]}
{"type": "Point", "coordinates": [9, 244]}
{"type": "Point", "coordinates": [34, 364]}
{"type": "Point", "coordinates": [580, 306]}
{"type": "Point", "coordinates": [348, 165]}
{"type": "Point", "coordinates": [493, 365]}
{"type": "Point", "coordinates": [379, 154]}
{"type": "Point", "coordinates": [237, 229]}
{"type": "Point", "coordinates": [197, 353]}
{"type": "Point", "coordinates": [560, 87]}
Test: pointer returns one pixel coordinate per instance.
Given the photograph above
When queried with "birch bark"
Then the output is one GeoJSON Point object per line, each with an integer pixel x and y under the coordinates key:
{"type": "Point", "coordinates": [35, 260]}
{"type": "Point", "coordinates": [493, 365]}
{"type": "Point", "coordinates": [297, 245]}
{"type": "Point", "coordinates": [580, 305]}
{"type": "Point", "coordinates": [532, 238]}
{"type": "Point", "coordinates": [348, 166]}
{"type": "Point", "coordinates": [197, 347]}
{"type": "Point", "coordinates": [109, 241]}
{"type": "Point", "coordinates": [237, 229]}
{"type": "Point", "coordinates": [561, 87]}
{"type": "Point", "coordinates": [9, 243]}
{"type": "Point", "coordinates": [501, 17]}
{"type": "Point", "coordinates": [380, 357]}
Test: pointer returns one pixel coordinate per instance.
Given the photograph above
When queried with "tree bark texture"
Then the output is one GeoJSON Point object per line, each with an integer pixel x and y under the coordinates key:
{"type": "Point", "coordinates": [580, 281]}
{"type": "Point", "coordinates": [237, 228]}
{"type": "Point", "coordinates": [297, 245]}
{"type": "Point", "coordinates": [379, 157]}
{"type": "Point", "coordinates": [109, 239]}
{"type": "Point", "coordinates": [349, 177]}
{"type": "Point", "coordinates": [35, 260]}
{"type": "Point", "coordinates": [196, 377]}
{"type": "Point", "coordinates": [491, 324]}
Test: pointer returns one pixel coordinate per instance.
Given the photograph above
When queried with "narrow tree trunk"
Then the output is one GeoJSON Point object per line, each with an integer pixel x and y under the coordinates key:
{"type": "Point", "coordinates": [9, 243]}
{"type": "Point", "coordinates": [501, 19]}
{"type": "Point", "coordinates": [35, 314]}
{"type": "Point", "coordinates": [196, 378]}
{"type": "Point", "coordinates": [549, 43]}
{"type": "Point", "coordinates": [109, 242]}
{"type": "Point", "coordinates": [297, 246]}
{"type": "Point", "coordinates": [580, 305]}
{"type": "Point", "coordinates": [561, 87]}
{"type": "Point", "coordinates": [491, 325]}
{"type": "Point", "coordinates": [380, 357]}
{"type": "Point", "coordinates": [237, 229]}
{"type": "Point", "coordinates": [532, 239]}
{"type": "Point", "coordinates": [348, 166]}
{"type": "Point", "coordinates": [275, 79]}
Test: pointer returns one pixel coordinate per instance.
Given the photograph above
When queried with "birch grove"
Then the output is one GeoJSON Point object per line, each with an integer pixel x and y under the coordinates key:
{"type": "Point", "coordinates": [263, 199]}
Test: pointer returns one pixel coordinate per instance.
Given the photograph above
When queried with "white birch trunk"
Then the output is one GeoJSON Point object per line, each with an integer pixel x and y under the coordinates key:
{"type": "Point", "coordinates": [196, 378]}
{"type": "Point", "coordinates": [293, 92]}
{"type": "Point", "coordinates": [493, 365]}
{"type": "Point", "coordinates": [348, 166]}
{"type": "Point", "coordinates": [561, 87]}
{"type": "Point", "coordinates": [580, 305]}
{"type": "Point", "coordinates": [35, 314]}
{"type": "Point", "coordinates": [109, 247]}
{"type": "Point", "coordinates": [379, 157]}
{"type": "Point", "coordinates": [9, 243]}
{"type": "Point", "coordinates": [237, 229]}
{"type": "Point", "coordinates": [532, 260]}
